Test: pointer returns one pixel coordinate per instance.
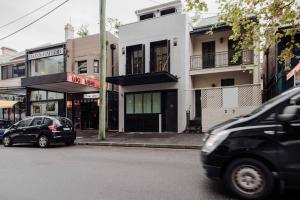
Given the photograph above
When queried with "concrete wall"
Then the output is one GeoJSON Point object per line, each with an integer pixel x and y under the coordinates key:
{"type": "Point", "coordinates": [207, 80]}
{"type": "Point", "coordinates": [170, 27]}
{"type": "Point", "coordinates": [88, 48]}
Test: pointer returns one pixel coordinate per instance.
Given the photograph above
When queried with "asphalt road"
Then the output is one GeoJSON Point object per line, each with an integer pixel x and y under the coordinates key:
{"type": "Point", "coordinates": [105, 173]}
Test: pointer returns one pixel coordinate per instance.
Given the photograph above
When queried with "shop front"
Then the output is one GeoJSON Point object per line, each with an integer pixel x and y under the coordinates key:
{"type": "Point", "coordinates": [12, 105]}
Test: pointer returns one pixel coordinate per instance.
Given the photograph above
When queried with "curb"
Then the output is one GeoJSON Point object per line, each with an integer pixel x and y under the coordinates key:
{"type": "Point", "coordinates": [166, 146]}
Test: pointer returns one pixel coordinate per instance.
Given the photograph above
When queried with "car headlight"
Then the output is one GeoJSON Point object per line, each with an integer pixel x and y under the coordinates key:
{"type": "Point", "coordinates": [214, 140]}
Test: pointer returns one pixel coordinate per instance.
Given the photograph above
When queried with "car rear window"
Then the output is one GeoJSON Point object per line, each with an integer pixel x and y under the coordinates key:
{"type": "Point", "coordinates": [65, 122]}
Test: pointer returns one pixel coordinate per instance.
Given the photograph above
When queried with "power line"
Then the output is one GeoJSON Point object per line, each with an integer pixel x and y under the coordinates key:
{"type": "Point", "coordinates": [33, 22]}
{"type": "Point", "coordinates": [31, 12]}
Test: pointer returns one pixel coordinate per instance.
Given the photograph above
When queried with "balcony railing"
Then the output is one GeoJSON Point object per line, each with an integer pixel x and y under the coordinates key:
{"type": "Point", "coordinates": [220, 59]}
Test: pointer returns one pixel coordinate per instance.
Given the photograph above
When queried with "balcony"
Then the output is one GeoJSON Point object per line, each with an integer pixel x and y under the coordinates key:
{"type": "Point", "coordinates": [220, 60]}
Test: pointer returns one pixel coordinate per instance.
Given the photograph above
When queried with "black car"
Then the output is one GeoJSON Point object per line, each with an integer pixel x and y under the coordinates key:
{"type": "Point", "coordinates": [41, 130]}
{"type": "Point", "coordinates": [257, 153]}
{"type": "Point", "coordinates": [4, 124]}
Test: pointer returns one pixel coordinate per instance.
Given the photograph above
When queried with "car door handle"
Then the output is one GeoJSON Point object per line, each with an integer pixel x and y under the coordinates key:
{"type": "Point", "coordinates": [269, 132]}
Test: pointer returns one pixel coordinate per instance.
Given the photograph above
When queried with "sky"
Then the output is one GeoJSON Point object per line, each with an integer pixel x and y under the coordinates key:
{"type": "Point", "coordinates": [77, 12]}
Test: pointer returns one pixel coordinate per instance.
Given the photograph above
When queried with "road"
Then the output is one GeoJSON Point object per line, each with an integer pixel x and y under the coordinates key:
{"type": "Point", "coordinates": [105, 173]}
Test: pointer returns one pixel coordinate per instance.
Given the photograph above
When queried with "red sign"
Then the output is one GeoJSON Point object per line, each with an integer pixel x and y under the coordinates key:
{"type": "Point", "coordinates": [83, 80]}
{"type": "Point", "coordinates": [293, 71]}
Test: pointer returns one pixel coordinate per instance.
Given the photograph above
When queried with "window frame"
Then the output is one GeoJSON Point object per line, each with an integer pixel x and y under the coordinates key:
{"type": "Point", "coordinates": [143, 94]}
{"type": "Point", "coordinates": [79, 67]}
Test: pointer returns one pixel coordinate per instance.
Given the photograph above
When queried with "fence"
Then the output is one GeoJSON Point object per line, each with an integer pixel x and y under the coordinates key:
{"type": "Point", "coordinates": [221, 104]}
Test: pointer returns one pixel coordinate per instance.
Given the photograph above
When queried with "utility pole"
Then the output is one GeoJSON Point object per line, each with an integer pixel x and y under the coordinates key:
{"type": "Point", "coordinates": [102, 71]}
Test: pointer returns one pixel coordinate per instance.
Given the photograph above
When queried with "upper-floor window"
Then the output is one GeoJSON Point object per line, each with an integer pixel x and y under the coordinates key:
{"type": "Point", "coordinates": [160, 56]}
{"type": "Point", "coordinates": [82, 67]}
{"type": "Point", "coordinates": [13, 71]}
{"type": "Point", "coordinates": [146, 16]}
{"type": "Point", "coordinates": [96, 66]}
{"type": "Point", "coordinates": [135, 59]}
{"type": "Point", "coordinates": [167, 11]}
{"type": "Point", "coordinates": [47, 65]}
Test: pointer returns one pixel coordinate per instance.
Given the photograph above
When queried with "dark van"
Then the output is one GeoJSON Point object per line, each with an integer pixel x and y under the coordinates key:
{"type": "Point", "coordinates": [256, 153]}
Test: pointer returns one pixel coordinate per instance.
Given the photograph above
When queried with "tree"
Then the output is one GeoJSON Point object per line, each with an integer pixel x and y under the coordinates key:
{"type": "Point", "coordinates": [259, 24]}
{"type": "Point", "coordinates": [83, 31]}
{"type": "Point", "coordinates": [113, 24]}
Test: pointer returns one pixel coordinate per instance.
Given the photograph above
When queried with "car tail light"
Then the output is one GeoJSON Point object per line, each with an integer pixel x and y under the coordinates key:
{"type": "Point", "coordinates": [53, 127]}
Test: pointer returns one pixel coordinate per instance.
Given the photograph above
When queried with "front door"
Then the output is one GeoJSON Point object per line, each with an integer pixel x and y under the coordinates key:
{"type": "Point", "coordinates": [208, 54]}
{"type": "Point", "coordinates": [170, 111]}
{"type": "Point", "coordinates": [89, 115]}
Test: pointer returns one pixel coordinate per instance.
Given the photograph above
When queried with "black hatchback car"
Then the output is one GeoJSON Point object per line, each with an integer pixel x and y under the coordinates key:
{"type": "Point", "coordinates": [40, 130]}
{"type": "Point", "coordinates": [256, 153]}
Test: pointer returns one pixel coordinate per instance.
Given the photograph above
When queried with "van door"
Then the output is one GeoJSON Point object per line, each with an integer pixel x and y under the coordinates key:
{"type": "Point", "coordinates": [289, 153]}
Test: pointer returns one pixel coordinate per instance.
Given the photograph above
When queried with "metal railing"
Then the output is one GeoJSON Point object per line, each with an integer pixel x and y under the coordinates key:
{"type": "Point", "coordinates": [220, 59]}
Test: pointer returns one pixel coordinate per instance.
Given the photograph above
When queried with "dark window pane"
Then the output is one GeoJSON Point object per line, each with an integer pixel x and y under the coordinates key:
{"type": "Point", "coordinates": [4, 72]}
{"type": "Point", "coordinates": [36, 121]}
{"type": "Point", "coordinates": [82, 67]}
{"type": "Point", "coordinates": [146, 16]}
{"type": "Point", "coordinates": [168, 11]}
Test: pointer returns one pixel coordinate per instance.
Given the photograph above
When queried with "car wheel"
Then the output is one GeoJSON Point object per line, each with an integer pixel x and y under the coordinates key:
{"type": "Point", "coordinates": [69, 142]}
{"type": "Point", "coordinates": [43, 141]}
{"type": "Point", "coordinates": [249, 179]}
{"type": "Point", "coordinates": [6, 141]}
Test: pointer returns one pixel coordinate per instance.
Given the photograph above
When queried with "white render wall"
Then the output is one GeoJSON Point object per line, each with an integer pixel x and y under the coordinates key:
{"type": "Point", "coordinates": [170, 27]}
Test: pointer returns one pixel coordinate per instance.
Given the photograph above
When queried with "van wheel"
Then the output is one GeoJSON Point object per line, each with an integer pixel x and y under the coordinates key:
{"type": "Point", "coordinates": [249, 179]}
{"type": "Point", "coordinates": [6, 141]}
{"type": "Point", "coordinates": [43, 141]}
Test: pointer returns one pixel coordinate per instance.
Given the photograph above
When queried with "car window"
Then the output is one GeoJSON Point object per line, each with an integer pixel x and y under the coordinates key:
{"type": "Point", "coordinates": [47, 121]}
{"type": "Point", "coordinates": [24, 123]}
{"type": "Point", "coordinates": [37, 121]}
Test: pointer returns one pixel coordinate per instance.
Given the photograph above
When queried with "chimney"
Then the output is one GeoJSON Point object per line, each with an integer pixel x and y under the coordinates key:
{"type": "Point", "coordinates": [69, 32]}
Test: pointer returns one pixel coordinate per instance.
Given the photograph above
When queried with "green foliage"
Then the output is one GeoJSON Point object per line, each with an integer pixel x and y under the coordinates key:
{"type": "Point", "coordinates": [195, 5]}
{"type": "Point", "coordinates": [260, 24]}
{"type": "Point", "coordinates": [113, 24]}
{"type": "Point", "coordinates": [83, 31]}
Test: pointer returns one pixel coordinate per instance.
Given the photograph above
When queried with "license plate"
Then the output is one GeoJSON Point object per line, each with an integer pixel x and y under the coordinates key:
{"type": "Point", "coordinates": [67, 129]}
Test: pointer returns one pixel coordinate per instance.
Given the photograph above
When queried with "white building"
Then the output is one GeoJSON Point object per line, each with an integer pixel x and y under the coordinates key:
{"type": "Point", "coordinates": [154, 81]}
{"type": "Point", "coordinates": [169, 67]}
{"type": "Point", "coordinates": [223, 89]}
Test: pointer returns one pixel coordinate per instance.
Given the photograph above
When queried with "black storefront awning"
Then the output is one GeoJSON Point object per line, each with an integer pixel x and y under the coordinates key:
{"type": "Point", "coordinates": [142, 79]}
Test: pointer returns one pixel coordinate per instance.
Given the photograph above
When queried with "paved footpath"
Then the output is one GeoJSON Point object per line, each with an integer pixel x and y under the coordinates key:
{"type": "Point", "coordinates": [150, 140]}
{"type": "Point", "coordinates": [105, 173]}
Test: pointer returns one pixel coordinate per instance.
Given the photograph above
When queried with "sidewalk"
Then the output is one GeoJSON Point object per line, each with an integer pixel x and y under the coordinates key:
{"type": "Point", "coordinates": [147, 140]}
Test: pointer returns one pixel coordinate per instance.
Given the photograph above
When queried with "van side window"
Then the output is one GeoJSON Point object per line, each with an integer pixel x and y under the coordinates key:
{"type": "Point", "coordinates": [270, 116]}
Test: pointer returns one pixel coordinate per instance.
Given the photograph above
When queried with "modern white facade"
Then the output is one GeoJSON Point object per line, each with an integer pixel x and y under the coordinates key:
{"type": "Point", "coordinates": [173, 31]}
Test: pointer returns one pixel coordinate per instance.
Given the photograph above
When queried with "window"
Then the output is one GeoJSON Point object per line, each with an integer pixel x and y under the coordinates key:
{"type": "Point", "coordinates": [41, 95]}
{"type": "Point", "coordinates": [146, 16]}
{"type": "Point", "coordinates": [96, 66]}
{"type": "Point", "coordinates": [24, 123]}
{"type": "Point", "coordinates": [19, 70]}
{"type": "Point", "coordinates": [135, 61]}
{"type": "Point", "coordinates": [36, 121]}
{"type": "Point", "coordinates": [160, 56]}
{"type": "Point", "coordinates": [143, 103]}
{"type": "Point", "coordinates": [47, 121]}
{"type": "Point", "coordinates": [13, 71]}
{"type": "Point", "coordinates": [48, 65]}
{"type": "Point", "coordinates": [82, 67]}
{"type": "Point", "coordinates": [167, 11]}
{"type": "Point", "coordinates": [227, 82]}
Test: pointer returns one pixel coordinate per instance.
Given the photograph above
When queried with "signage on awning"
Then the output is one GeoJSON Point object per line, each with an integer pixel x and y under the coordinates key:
{"type": "Point", "coordinates": [47, 53]}
{"type": "Point", "coordinates": [83, 80]}
{"type": "Point", "coordinates": [293, 71]}
{"type": "Point", "coordinates": [7, 104]}
{"type": "Point", "coordinates": [91, 96]}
